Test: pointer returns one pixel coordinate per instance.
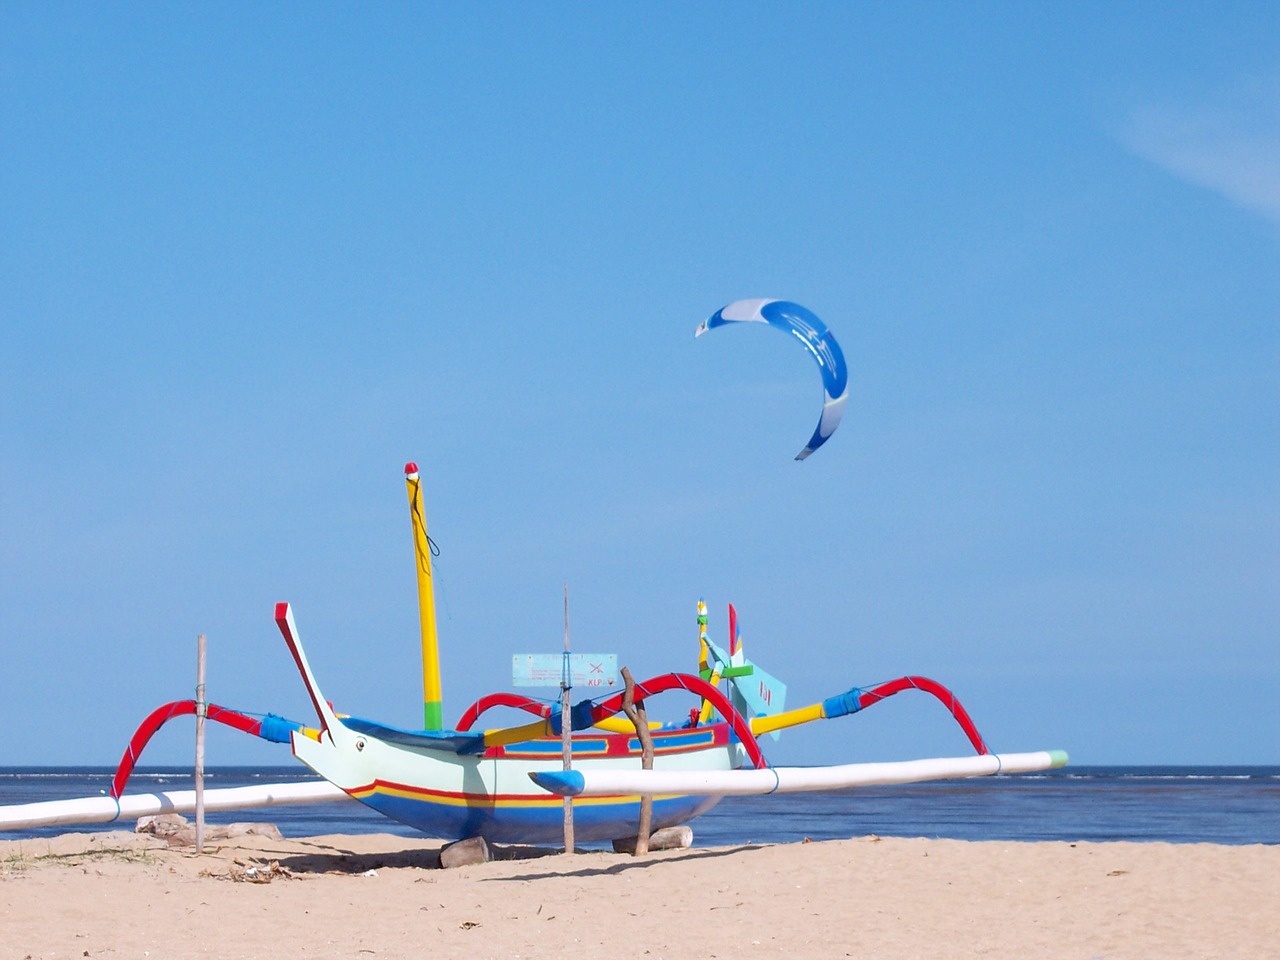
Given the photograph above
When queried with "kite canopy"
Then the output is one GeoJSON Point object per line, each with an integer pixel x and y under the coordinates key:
{"type": "Point", "coordinates": [805, 326]}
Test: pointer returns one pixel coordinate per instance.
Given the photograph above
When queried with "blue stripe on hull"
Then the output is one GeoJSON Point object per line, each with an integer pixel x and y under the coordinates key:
{"type": "Point", "coordinates": [592, 822]}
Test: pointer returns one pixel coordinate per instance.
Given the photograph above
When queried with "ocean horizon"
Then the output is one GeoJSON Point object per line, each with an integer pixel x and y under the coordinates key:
{"type": "Point", "coordinates": [1231, 805]}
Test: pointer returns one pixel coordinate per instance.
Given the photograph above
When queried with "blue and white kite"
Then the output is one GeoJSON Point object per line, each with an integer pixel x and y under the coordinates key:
{"type": "Point", "coordinates": [805, 326]}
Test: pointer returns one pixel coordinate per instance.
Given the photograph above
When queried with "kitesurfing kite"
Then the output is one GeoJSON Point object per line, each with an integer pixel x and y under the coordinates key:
{"type": "Point", "coordinates": [804, 325]}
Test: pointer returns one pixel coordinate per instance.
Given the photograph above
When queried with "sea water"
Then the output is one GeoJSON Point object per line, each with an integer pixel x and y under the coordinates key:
{"type": "Point", "coordinates": [1228, 805]}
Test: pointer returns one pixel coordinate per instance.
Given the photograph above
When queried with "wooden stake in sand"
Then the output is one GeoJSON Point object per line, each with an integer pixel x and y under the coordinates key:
{"type": "Point", "coordinates": [566, 727]}
{"type": "Point", "coordinates": [637, 714]}
{"type": "Point", "coordinates": [202, 709]}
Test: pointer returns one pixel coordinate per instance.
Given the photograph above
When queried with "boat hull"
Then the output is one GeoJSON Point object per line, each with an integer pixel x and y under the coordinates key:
{"type": "Point", "coordinates": [456, 796]}
{"type": "Point", "coordinates": [527, 819]}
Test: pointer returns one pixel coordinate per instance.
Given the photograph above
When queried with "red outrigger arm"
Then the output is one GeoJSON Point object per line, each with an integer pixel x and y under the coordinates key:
{"type": "Point", "coordinates": [500, 699]}
{"type": "Point", "coordinates": [695, 685]}
{"type": "Point", "coordinates": [858, 699]}
{"type": "Point", "coordinates": [270, 727]}
{"type": "Point", "coordinates": [699, 687]}
{"type": "Point", "coordinates": [586, 713]}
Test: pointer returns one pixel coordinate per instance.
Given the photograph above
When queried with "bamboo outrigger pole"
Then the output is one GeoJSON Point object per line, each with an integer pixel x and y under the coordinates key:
{"type": "Point", "coordinates": [432, 711]}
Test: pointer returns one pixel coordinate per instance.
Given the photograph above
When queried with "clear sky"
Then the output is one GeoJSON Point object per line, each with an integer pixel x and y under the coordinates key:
{"type": "Point", "coordinates": [255, 257]}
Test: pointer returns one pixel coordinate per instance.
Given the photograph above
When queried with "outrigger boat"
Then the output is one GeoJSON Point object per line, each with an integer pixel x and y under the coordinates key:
{"type": "Point", "coordinates": [508, 784]}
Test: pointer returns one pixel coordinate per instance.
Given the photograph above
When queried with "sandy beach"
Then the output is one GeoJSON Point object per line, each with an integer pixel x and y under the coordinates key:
{"type": "Point", "coordinates": [128, 895]}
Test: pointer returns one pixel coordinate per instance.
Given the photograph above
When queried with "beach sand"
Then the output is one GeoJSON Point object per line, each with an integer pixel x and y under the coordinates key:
{"type": "Point", "coordinates": [128, 895]}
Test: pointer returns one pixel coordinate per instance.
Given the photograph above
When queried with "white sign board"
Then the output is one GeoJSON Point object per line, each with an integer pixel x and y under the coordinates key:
{"type": "Point", "coordinates": [595, 670]}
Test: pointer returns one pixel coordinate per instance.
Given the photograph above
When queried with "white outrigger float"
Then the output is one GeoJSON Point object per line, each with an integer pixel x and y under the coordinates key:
{"type": "Point", "coordinates": [509, 784]}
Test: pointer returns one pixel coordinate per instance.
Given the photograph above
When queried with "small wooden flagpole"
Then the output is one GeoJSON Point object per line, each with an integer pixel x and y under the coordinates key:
{"type": "Point", "coordinates": [202, 709]}
{"type": "Point", "coordinates": [566, 725]}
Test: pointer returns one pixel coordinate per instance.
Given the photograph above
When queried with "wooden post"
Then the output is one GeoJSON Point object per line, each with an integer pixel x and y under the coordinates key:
{"type": "Point", "coordinates": [637, 714]}
{"type": "Point", "coordinates": [566, 726]}
{"type": "Point", "coordinates": [202, 710]}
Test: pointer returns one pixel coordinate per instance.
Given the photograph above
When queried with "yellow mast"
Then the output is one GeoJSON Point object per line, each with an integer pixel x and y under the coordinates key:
{"type": "Point", "coordinates": [432, 713]}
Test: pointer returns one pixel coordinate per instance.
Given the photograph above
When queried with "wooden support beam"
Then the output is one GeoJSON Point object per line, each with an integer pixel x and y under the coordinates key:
{"type": "Point", "coordinates": [639, 718]}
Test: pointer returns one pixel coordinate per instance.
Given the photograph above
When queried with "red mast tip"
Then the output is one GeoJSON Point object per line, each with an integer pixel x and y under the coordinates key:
{"type": "Point", "coordinates": [410, 467]}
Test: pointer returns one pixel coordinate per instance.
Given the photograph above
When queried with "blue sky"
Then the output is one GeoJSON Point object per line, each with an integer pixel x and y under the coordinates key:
{"type": "Point", "coordinates": [253, 259]}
